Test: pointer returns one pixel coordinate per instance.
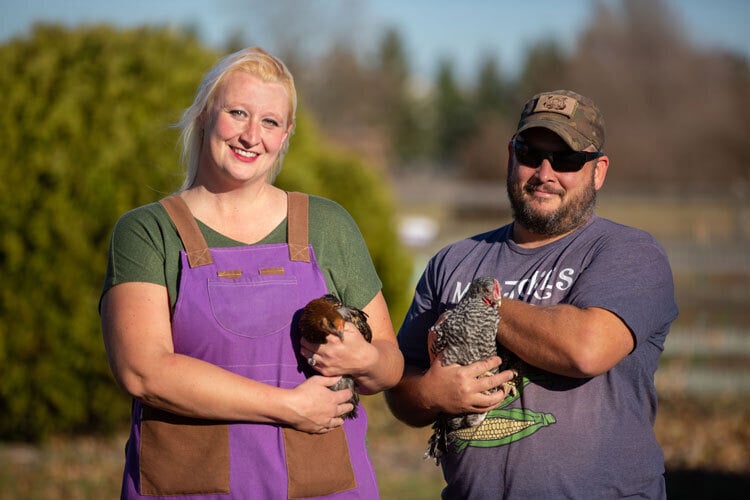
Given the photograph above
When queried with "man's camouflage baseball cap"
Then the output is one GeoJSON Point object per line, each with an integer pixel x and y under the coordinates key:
{"type": "Point", "coordinates": [573, 117]}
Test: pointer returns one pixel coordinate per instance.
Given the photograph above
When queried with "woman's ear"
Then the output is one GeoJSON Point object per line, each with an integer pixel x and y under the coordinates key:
{"type": "Point", "coordinates": [288, 133]}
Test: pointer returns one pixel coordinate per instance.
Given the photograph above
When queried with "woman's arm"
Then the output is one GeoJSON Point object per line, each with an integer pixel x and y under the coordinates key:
{"type": "Point", "coordinates": [138, 339]}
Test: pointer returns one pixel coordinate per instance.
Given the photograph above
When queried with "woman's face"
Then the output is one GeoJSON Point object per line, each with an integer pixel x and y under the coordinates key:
{"type": "Point", "coordinates": [244, 130]}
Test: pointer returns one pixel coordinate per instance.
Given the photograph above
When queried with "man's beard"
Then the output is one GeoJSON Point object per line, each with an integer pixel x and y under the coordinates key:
{"type": "Point", "coordinates": [572, 214]}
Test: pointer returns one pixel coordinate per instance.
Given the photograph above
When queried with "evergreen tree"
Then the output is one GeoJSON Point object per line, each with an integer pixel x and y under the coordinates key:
{"type": "Point", "coordinates": [397, 107]}
{"type": "Point", "coordinates": [454, 119]}
{"type": "Point", "coordinates": [492, 95]}
{"type": "Point", "coordinates": [545, 69]}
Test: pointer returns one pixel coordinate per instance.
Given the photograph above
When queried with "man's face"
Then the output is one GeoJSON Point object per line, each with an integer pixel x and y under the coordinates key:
{"type": "Point", "coordinates": [547, 202]}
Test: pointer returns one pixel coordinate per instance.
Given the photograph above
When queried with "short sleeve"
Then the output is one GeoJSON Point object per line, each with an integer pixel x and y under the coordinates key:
{"type": "Point", "coordinates": [137, 247]}
{"type": "Point", "coordinates": [632, 278]}
{"type": "Point", "coordinates": [342, 253]}
{"type": "Point", "coordinates": [422, 314]}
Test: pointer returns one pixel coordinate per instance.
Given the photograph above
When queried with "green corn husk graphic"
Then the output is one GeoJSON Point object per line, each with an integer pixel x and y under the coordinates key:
{"type": "Point", "coordinates": [500, 427]}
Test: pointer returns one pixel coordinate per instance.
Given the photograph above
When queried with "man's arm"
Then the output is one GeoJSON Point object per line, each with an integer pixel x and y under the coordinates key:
{"type": "Point", "coordinates": [564, 339]}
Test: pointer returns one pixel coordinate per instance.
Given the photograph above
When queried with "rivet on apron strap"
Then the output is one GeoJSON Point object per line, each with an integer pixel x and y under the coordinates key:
{"type": "Point", "coordinates": [297, 226]}
{"type": "Point", "coordinates": [192, 238]}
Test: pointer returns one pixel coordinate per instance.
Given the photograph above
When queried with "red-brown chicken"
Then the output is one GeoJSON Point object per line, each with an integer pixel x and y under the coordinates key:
{"type": "Point", "coordinates": [326, 316]}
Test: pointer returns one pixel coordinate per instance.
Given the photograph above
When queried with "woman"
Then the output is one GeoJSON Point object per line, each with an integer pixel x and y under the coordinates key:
{"type": "Point", "coordinates": [198, 306]}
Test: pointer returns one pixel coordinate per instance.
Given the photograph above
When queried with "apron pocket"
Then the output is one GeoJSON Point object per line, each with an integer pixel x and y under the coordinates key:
{"type": "Point", "coordinates": [317, 464]}
{"type": "Point", "coordinates": [182, 455]}
{"type": "Point", "coordinates": [239, 307]}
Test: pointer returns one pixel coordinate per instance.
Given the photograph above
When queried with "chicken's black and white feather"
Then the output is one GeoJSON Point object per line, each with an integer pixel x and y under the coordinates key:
{"type": "Point", "coordinates": [463, 335]}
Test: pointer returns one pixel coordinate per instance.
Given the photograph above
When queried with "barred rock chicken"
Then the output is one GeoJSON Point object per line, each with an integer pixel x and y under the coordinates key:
{"type": "Point", "coordinates": [327, 315]}
{"type": "Point", "coordinates": [463, 335]}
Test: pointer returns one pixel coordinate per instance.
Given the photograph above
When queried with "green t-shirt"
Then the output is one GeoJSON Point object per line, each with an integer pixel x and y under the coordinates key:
{"type": "Point", "coordinates": [145, 247]}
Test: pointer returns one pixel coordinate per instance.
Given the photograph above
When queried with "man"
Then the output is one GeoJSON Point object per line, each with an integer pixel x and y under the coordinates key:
{"type": "Point", "coordinates": [587, 304]}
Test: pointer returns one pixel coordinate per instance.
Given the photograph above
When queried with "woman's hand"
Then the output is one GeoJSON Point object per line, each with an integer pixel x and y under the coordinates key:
{"type": "Point", "coordinates": [316, 408]}
{"type": "Point", "coordinates": [349, 355]}
{"type": "Point", "coordinates": [138, 339]}
{"type": "Point", "coordinates": [375, 366]}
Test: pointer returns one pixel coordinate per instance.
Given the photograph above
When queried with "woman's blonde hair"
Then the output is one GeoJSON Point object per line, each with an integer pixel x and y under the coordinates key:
{"type": "Point", "coordinates": [253, 60]}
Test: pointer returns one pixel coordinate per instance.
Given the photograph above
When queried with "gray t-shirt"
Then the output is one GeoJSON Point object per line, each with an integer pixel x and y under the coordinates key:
{"type": "Point", "coordinates": [561, 437]}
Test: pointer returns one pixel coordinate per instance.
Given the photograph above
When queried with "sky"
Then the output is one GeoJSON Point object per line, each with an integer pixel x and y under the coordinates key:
{"type": "Point", "coordinates": [462, 31]}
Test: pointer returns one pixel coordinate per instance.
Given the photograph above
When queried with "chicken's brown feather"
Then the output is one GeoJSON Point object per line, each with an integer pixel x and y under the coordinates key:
{"type": "Point", "coordinates": [326, 316]}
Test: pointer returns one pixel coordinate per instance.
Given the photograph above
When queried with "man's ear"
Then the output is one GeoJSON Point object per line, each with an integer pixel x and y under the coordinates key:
{"type": "Point", "coordinates": [600, 171]}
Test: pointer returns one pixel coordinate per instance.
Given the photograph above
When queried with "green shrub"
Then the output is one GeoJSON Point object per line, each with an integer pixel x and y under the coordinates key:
{"type": "Point", "coordinates": [86, 119]}
{"type": "Point", "coordinates": [317, 168]}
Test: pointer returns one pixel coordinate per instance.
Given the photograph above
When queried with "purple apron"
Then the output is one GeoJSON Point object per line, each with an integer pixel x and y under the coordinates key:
{"type": "Point", "coordinates": [235, 309]}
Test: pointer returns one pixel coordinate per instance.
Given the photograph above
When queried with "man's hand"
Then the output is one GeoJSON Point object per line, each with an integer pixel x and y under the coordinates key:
{"type": "Point", "coordinates": [460, 389]}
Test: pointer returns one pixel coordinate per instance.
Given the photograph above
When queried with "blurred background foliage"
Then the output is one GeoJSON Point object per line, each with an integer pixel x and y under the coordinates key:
{"type": "Point", "coordinates": [87, 117]}
{"type": "Point", "coordinates": [667, 103]}
{"type": "Point", "coordinates": [314, 166]}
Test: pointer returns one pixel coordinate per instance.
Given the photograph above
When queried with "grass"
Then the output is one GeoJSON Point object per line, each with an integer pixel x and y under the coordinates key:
{"type": "Point", "coordinates": [80, 468]}
{"type": "Point", "coordinates": [72, 468]}
{"type": "Point", "coordinates": [706, 445]}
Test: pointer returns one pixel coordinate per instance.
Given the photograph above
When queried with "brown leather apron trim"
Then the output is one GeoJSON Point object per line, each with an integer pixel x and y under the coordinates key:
{"type": "Point", "coordinates": [190, 234]}
{"type": "Point", "coordinates": [182, 455]}
{"type": "Point", "coordinates": [317, 464]}
{"type": "Point", "coordinates": [297, 230]}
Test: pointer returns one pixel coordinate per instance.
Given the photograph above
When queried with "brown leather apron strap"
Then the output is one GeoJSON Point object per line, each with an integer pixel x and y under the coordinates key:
{"type": "Point", "coordinates": [297, 226]}
{"type": "Point", "coordinates": [192, 238]}
{"type": "Point", "coordinates": [195, 244]}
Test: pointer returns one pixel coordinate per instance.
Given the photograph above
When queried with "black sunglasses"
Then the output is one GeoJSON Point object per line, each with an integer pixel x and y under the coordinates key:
{"type": "Point", "coordinates": [561, 161]}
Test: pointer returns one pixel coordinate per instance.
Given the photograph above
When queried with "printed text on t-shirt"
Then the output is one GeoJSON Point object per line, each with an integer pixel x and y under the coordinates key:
{"type": "Point", "coordinates": [539, 286]}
